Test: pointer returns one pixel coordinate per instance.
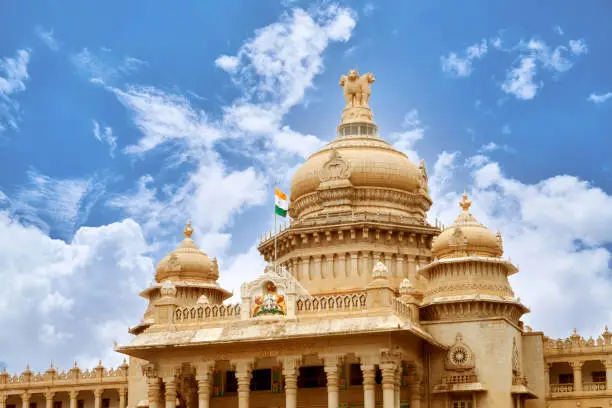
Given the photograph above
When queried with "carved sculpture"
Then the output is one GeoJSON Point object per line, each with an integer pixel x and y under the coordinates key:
{"type": "Point", "coordinates": [270, 302]}
{"type": "Point", "coordinates": [356, 88]}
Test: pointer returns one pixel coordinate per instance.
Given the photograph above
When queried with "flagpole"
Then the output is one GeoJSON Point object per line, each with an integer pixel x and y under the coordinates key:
{"type": "Point", "coordinates": [275, 229]}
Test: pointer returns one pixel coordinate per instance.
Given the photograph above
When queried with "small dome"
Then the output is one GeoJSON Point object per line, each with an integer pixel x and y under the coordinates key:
{"type": "Point", "coordinates": [466, 237]}
{"type": "Point", "coordinates": [187, 263]}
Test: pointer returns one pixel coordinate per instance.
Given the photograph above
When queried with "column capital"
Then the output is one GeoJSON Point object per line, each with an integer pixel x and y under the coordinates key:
{"type": "Point", "coordinates": [607, 363]}
{"type": "Point", "coordinates": [150, 370]}
{"type": "Point", "coordinates": [204, 369]}
{"type": "Point", "coordinates": [331, 361]}
{"type": "Point", "coordinates": [25, 395]}
{"type": "Point", "coordinates": [98, 392]}
{"type": "Point", "coordinates": [390, 356]}
{"type": "Point", "coordinates": [49, 395]}
{"type": "Point", "coordinates": [73, 394]}
{"type": "Point", "coordinates": [3, 397]}
{"type": "Point", "coordinates": [576, 365]}
{"type": "Point", "coordinates": [291, 364]}
{"type": "Point", "coordinates": [169, 371]}
{"type": "Point", "coordinates": [243, 367]}
{"type": "Point", "coordinates": [122, 391]}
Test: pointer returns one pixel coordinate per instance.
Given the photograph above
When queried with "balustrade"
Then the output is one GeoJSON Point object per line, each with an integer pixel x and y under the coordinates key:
{"type": "Point", "coordinates": [198, 313]}
{"type": "Point", "coordinates": [593, 386]}
{"type": "Point", "coordinates": [402, 309]}
{"type": "Point", "coordinates": [332, 303]}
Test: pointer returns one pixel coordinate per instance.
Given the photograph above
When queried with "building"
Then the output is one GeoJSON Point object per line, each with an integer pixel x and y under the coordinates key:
{"type": "Point", "coordinates": [363, 304]}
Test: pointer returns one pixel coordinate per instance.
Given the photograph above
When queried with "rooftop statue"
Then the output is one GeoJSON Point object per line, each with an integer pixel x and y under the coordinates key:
{"type": "Point", "coordinates": [357, 96]}
{"type": "Point", "coordinates": [357, 88]}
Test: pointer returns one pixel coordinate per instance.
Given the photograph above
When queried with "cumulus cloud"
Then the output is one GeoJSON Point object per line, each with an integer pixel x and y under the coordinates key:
{"type": "Point", "coordinates": [13, 78]}
{"type": "Point", "coordinates": [227, 63]}
{"type": "Point", "coordinates": [462, 66]}
{"type": "Point", "coordinates": [599, 98]}
{"type": "Point", "coordinates": [77, 286]}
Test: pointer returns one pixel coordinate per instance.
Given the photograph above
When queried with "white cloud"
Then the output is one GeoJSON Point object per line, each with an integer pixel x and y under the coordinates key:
{"type": "Point", "coordinates": [413, 131]}
{"type": "Point", "coordinates": [558, 30]}
{"type": "Point", "coordinates": [227, 63]}
{"type": "Point", "coordinates": [103, 66]}
{"type": "Point", "coordinates": [476, 161]}
{"type": "Point", "coordinates": [520, 80]}
{"type": "Point", "coordinates": [47, 37]}
{"type": "Point", "coordinates": [578, 47]}
{"type": "Point", "coordinates": [492, 146]}
{"type": "Point", "coordinates": [462, 67]}
{"type": "Point", "coordinates": [105, 136]}
{"type": "Point", "coordinates": [13, 77]}
{"type": "Point", "coordinates": [442, 174]}
{"type": "Point", "coordinates": [369, 9]}
{"type": "Point", "coordinates": [599, 98]}
{"type": "Point", "coordinates": [55, 301]}
{"type": "Point", "coordinates": [96, 277]}
{"type": "Point", "coordinates": [58, 205]}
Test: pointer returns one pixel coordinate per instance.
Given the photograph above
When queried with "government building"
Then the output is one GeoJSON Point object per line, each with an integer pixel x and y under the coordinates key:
{"type": "Point", "coordinates": [363, 304]}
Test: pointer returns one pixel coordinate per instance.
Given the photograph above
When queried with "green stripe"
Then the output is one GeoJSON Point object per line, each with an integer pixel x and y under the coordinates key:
{"type": "Point", "coordinates": [280, 211]}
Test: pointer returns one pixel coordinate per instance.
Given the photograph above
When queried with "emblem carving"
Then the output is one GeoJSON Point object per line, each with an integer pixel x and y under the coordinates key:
{"type": "Point", "coordinates": [460, 357]}
{"type": "Point", "coordinates": [270, 302]}
{"type": "Point", "coordinates": [168, 289]}
{"type": "Point", "coordinates": [336, 168]}
{"type": "Point", "coordinates": [173, 264]}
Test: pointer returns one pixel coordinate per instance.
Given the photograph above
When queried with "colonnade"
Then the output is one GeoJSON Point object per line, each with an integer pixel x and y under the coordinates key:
{"type": "Point", "coordinates": [73, 394]}
{"type": "Point", "coordinates": [390, 366]}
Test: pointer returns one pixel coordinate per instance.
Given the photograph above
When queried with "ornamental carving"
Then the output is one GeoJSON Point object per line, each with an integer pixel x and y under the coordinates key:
{"type": "Point", "coordinates": [336, 168]}
{"type": "Point", "coordinates": [356, 88]}
{"type": "Point", "coordinates": [459, 356]}
{"type": "Point", "coordinates": [168, 289]}
{"type": "Point", "coordinates": [173, 264]}
{"type": "Point", "coordinates": [516, 366]}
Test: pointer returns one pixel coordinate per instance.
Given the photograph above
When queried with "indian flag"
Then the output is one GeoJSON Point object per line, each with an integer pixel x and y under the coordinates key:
{"type": "Point", "coordinates": [280, 202]}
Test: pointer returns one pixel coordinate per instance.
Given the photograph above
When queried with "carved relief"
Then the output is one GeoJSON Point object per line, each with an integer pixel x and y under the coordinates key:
{"type": "Point", "coordinates": [269, 302]}
{"type": "Point", "coordinates": [356, 88]}
{"type": "Point", "coordinates": [516, 367]}
{"type": "Point", "coordinates": [460, 356]}
{"type": "Point", "coordinates": [336, 168]}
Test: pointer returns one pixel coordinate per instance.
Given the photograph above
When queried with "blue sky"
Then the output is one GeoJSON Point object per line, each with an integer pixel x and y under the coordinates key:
{"type": "Point", "coordinates": [118, 121]}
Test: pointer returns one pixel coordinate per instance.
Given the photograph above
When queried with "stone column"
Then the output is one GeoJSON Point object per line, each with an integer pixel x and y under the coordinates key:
{"type": "Point", "coordinates": [317, 273]}
{"type": "Point", "coordinates": [398, 383]}
{"type": "Point", "coordinates": [305, 267]}
{"type": "Point", "coordinates": [387, 261]}
{"type": "Point", "coordinates": [153, 392]}
{"type": "Point", "coordinates": [342, 265]}
{"type": "Point", "coordinates": [415, 396]}
{"type": "Point", "coordinates": [354, 264]}
{"type": "Point", "coordinates": [291, 372]}
{"type": "Point", "coordinates": [577, 367]}
{"type": "Point", "coordinates": [243, 375]}
{"type": "Point", "coordinates": [331, 370]}
{"type": "Point", "coordinates": [122, 397]}
{"type": "Point", "coordinates": [547, 378]}
{"type": "Point", "coordinates": [369, 385]}
{"type": "Point", "coordinates": [25, 400]}
{"type": "Point", "coordinates": [49, 399]}
{"type": "Point", "coordinates": [3, 398]}
{"type": "Point", "coordinates": [170, 385]}
{"type": "Point", "coordinates": [203, 377]}
{"type": "Point", "coordinates": [98, 398]}
{"type": "Point", "coordinates": [388, 383]}
{"type": "Point", "coordinates": [399, 265]}
{"type": "Point", "coordinates": [330, 273]}
{"type": "Point", "coordinates": [74, 394]}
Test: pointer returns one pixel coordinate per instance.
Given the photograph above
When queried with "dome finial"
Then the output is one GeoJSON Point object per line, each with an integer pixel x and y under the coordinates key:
{"type": "Point", "coordinates": [465, 203]}
{"type": "Point", "coordinates": [188, 230]}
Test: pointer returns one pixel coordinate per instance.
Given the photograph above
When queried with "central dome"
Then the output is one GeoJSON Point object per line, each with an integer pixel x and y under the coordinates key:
{"type": "Point", "coordinates": [358, 173]}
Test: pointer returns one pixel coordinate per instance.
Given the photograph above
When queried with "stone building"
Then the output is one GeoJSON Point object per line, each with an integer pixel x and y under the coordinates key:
{"type": "Point", "coordinates": [363, 304]}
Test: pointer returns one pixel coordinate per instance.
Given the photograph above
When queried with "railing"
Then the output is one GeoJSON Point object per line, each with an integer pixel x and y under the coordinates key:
{"type": "Point", "coordinates": [332, 303]}
{"type": "Point", "coordinates": [60, 378]}
{"type": "Point", "coordinates": [402, 309]}
{"type": "Point", "coordinates": [516, 380]}
{"type": "Point", "coordinates": [460, 379]}
{"type": "Point", "coordinates": [198, 313]}
{"type": "Point", "coordinates": [594, 386]}
{"type": "Point", "coordinates": [561, 387]}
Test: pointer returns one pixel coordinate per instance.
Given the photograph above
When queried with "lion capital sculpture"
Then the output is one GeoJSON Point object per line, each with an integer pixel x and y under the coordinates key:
{"type": "Point", "coordinates": [356, 88]}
